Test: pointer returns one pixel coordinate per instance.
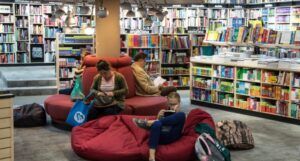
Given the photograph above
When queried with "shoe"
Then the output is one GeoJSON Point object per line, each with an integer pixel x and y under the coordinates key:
{"type": "Point", "coordinates": [142, 123]}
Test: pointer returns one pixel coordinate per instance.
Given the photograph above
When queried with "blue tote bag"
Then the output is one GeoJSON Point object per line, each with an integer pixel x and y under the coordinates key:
{"type": "Point", "coordinates": [78, 113]}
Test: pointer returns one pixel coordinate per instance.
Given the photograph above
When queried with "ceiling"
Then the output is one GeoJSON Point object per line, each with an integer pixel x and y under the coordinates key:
{"type": "Point", "coordinates": [168, 2]}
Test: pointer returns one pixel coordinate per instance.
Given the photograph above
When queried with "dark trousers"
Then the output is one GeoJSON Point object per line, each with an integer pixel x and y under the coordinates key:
{"type": "Point", "coordinates": [166, 130]}
{"type": "Point", "coordinates": [95, 113]}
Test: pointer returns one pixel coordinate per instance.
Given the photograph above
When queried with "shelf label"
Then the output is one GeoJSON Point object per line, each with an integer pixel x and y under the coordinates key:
{"type": "Point", "coordinates": [200, 6]}
{"type": "Point", "coordinates": [218, 6]}
{"type": "Point", "coordinates": [269, 5]}
{"type": "Point", "coordinates": [238, 7]}
{"type": "Point", "coordinates": [176, 6]}
{"type": "Point", "coordinates": [4, 9]}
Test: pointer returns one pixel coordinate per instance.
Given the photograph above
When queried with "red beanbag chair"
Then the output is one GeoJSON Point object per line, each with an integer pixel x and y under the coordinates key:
{"type": "Point", "coordinates": [115, 138]}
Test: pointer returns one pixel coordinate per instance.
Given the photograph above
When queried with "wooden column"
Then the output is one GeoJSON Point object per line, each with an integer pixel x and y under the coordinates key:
{"type": "Point", "coordinates": [108, 30]}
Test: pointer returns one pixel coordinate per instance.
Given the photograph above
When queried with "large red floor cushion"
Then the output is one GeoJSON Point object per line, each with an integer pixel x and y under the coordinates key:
{"type": "Point", "coordinates": [146, 105]}
{"type": "Point", "coordinates": [115, 138]}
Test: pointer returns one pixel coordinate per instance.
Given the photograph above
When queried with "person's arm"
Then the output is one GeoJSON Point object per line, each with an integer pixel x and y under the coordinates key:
{"type": "Point", "coordinates": [121, 83]}
{"type": "Point", "coordinates": [174, 119]}
{"type": "Point", "coordinates": [142, 80]}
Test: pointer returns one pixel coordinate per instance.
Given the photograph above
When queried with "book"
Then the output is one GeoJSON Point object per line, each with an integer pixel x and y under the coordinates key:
{"type": "Point", "coordinates": [159, 81]}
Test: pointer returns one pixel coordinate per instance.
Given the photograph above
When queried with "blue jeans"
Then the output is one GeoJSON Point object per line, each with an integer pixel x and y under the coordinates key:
{"type": "Point", "coordinates": [166, 130]}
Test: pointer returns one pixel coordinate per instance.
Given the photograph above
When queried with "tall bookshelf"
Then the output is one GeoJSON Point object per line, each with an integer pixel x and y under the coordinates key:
{"type": "Point", "coordinates": [7, 31]}
{"type": "Point", "coordinates": [175, 54]}
{"type": "Point", "coordinates": [68, 53]}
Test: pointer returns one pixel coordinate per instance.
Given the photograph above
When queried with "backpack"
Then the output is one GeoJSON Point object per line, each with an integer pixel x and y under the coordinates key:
{"type": "Point", "coordinates": [209, 149]}
{"type": "Point", "coordinates": [235, 135]}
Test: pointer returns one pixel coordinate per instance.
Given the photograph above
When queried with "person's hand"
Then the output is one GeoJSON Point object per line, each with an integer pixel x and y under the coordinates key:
{"type": "Point", "coordinates": [111, 94]}
{"type": "Point", "coordinates": [160, 87]}
{"type": "Point", "coordinates": [160, 113]}
{"type": "Point", "coordinates": [86, 101]}
{"type": "Point", "coordinates": [100, 94]}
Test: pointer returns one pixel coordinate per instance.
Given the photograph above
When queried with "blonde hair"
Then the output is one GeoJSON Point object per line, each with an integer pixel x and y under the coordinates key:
{"type": "Point", "coordinates": [174, 95]}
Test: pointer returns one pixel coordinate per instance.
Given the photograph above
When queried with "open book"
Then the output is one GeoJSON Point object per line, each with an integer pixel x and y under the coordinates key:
{"type": "Point", "coordinates": [158, 81]}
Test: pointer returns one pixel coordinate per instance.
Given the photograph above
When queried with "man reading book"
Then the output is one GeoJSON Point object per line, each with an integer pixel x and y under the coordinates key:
{"type": "Point", "coordinates": [145, 86]}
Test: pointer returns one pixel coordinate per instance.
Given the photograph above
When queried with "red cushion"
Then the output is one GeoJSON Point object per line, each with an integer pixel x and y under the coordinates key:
{"type": "Point", "coordinates": [129, 77]}
{"type": "Point", "coordinates": [146, 105]}
{"type": "Point", "coordinates": [87, 79]}
{"type": "Point", "coordinates": [92, 60]}
{"type": "Point", "coordinates": [58, 106]}
{"type": "Point", "coordinates": [114, 138]}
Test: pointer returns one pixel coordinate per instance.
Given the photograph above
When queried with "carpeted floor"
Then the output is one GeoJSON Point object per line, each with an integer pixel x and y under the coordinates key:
{"type": "Point", "coordinates": [274, 141]}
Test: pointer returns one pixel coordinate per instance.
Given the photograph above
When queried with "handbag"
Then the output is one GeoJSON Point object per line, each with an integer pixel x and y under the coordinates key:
{"type": "Point", "coordinates": [104, 101]}
{"type": "Point", "coordinates": [78, 113]}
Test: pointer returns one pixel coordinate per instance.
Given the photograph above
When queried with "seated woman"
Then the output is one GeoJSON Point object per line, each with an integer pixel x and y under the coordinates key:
{"type": "Point", "coordinates": [168, 127]}
{"type": "Point", "coordinates": [107, 83]}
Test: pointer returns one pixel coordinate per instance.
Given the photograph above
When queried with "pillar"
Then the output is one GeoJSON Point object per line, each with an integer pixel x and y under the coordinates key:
{"type": "Point", "coordinates": [108, 30]}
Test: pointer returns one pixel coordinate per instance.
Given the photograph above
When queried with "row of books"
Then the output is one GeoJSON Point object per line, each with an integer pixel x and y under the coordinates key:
{"type": "Point", "coordinates": [217, 13]}
{"type": "Point", "coordinates": [69, 51]}
{"type": "Point", "coordinates": [295, 111]}
{"type": "Point", "coordinates": [22, 34]}
{"type": "Point", "coordinates": [248, 74]}
{"type": "Point", "coordinates": [22, 9]}
{"type": "Point", "coordinates": [152, 54]}
{"type": "Point", "coordinates": [237, 22]}
{"type": "Point", "coordinates": [180, 82]}
{"type": "Point", "coordinates": [78, 39]}
{"type": "Point", "coordinates": [36, 19]}
{"type": "Point", "coordinates": [221, 85]}
{"type": "Point", "coordinates": [47, 9]}
{"type": "Point", "coordinates": [7, 38]}
{"type": "Point", "coordinates": [142, 40]}
{"type": "Point", "coordinates": [48, 21]}
{"type": "Point", "coordinates": [152, 68]}
{"type": "Point", "coordinates": [36, 10]}
{"type": "Point", "coordinates": [201, 95]}
{"type": "Point", "coordinates": [275, 92]}
{"type": "Point", "coordinates": [223, 71]}
{"type": "Point", "coordinates": [174, 71]}
{"type": "Point", "coordinates": [6, 28]}
{"type": "Point", "coordinates": [197, 40]}
{"type": "Point", "coordinates": [68, 62]}
{"type": "Point", "coordinates": [237, 13]}
{"type": "Point", "coordinates": [65, 84]}
{"type": "Point", "coordinates": [23, 58]}
{"type": "Point", "coordinates": [295, 95]}
{"type": "Point", "coordinates": [6, 18]}
{"type": "Point", "coordinates": [282, 78]}
{"type": "Point", "coordinates": [222, 98]}
{"type": "Point", "coordinates": [175, 42]}
{"type": "Point", "coordinates": [197, 21]}
{"type": "Point", "coordinates": [279, 107]}
{"type": "Point", "coordinates": [202, 71]}
{"type": "Point", "coordinates": [176, 13]}
{"type": "Point", "coordinates": [22, 22]}
{"type": "Point", "coordinates": [202, 82]}
{"type": "Point", "coordinates": [226, 1]}
{"type": "Point", "coordinates": [169, 57]}
{"type": "Point", "coordinates": [66, 73]}
{"type": "Point", "coordinates": [249, 89]}
{"type": "Point", "coordinates": [197, 13]}
{"type": "Point", "coordinates": [37, 39]}
{"type": "Point", "coordinates": [132, 24]}
{"type": "Point", "coordinates": [80, 20]}
{"type": "Point", "coordinates": [51, 32]}
{"type": "Point", "coordinates": [36, 29]}
{"type": "Point", "coordinates": [49, 46]}
{"type": "Point", "coordinates": [22, 46]}
{"type": "Point", "coordinates": [296, 81]}
{"type": "Point", "coordinates": [6, 48]}
{"type": "Point", "coordinates": [248, 103]}
{"type": "Point", "coordinates": [7, 58]}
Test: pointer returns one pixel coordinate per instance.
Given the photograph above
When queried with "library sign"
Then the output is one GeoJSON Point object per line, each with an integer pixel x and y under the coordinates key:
{"type": "Point", "coordinates": [4, 9]}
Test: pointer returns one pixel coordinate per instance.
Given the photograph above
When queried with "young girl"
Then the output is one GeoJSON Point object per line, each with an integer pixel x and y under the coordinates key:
{"type": "Point", "coordinates": [168, 127]}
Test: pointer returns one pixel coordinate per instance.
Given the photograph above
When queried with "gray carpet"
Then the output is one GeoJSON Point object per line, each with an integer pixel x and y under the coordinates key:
{"type": "Point", "coordinates": [274, 141]}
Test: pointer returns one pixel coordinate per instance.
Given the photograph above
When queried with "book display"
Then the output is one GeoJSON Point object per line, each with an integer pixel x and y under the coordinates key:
{"type": "Point", "coordinates": [69, 48]}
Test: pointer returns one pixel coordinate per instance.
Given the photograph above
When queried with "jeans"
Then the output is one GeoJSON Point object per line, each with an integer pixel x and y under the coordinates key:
{"type": "Point", "coordinates": [166, 130]}
{"type": "Point", "coordinates": [95, 113]}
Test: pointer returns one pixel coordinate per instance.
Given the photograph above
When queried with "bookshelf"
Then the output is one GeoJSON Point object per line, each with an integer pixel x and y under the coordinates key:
{"type": "Point", "coordinates": [7, 31]}
{"type": "Point", "coordinates": [175, 54]}
{"type": "Point", "coordinates": [69, 48]}
{"type": "Point", "coordinates": [247, 86]}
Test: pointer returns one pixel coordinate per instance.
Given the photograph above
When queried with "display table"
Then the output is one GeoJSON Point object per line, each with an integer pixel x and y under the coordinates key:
{"type": "Point", "coordinates": [6, 127]}
{"type": "Point", "coordinates": [264, 88]}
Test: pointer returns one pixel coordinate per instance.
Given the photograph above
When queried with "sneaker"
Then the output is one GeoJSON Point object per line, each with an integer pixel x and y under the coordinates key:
{"type": "Point", "coordinates": [142, 123]}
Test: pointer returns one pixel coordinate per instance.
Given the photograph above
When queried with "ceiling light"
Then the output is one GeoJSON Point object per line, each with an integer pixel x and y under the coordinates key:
{"type": "Point", "coordinates": [165, 13]}
{"type": "Point", "coordinates": [126, 5]}
{"type": "Point", "coordinates": [142, 11]}
{"type": "Point", "coordinates": [102, 12]}
{"type": "Point", "coordinates": [160, 16]}
{"type": "Point", "coordinates": [148, 21]}
{"type": "Point", "coordinates": [130, 13]}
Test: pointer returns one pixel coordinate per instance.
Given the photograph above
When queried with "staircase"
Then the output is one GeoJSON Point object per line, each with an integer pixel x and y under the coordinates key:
{"type": "Point", "coordinates": [28, 80]}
